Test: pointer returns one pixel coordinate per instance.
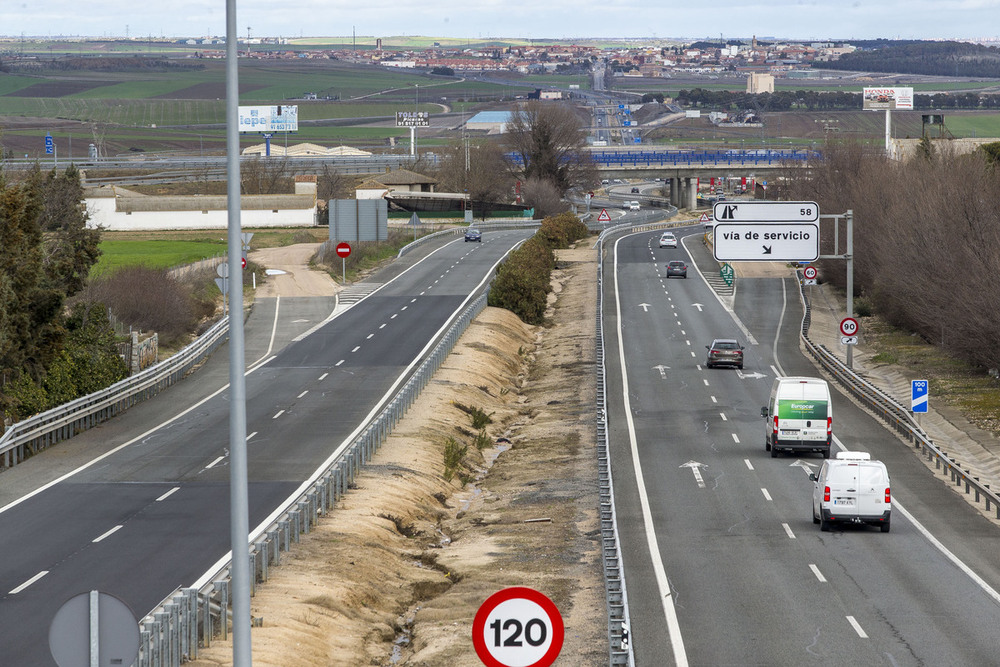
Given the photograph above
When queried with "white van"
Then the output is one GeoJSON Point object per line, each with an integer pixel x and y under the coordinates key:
{"type": "Point", "coordinates": [852, 489]}
{"type": "Point", "coordinates": [799, 416]}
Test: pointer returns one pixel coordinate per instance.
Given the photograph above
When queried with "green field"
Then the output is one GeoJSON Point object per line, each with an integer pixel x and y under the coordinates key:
{"type": "Point", "coordinates": [156, 254]}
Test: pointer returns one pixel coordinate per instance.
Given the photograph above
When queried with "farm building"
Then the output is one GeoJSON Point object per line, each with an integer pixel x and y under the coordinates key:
{"type": "Point", "coordinates": [118, 209]}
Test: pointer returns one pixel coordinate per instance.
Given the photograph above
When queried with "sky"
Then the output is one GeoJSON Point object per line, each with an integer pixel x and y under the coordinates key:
{"type": "Point", "coordinates": [804, 20]}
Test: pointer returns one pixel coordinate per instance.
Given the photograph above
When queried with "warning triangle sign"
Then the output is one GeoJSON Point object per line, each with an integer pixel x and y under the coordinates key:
{"type": "Point", "coordinates": [704, 218]}
{"type": "Point", "coordinates": [604, 217]}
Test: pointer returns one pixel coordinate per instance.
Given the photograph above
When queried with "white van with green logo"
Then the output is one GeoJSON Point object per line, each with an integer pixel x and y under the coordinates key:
{"type": "Point", "coordinates": [799, 416]}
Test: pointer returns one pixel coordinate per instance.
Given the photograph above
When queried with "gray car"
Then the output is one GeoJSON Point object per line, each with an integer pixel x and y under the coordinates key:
{"type": "Point", "coordinates": [677, 268]}
{"type": "Point", "coordinates": [724, 352]}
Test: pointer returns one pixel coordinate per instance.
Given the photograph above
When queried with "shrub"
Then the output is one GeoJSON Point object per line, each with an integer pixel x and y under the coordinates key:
{"type": "Point", "coordinates": [150, 300]}
{"type": "Point", "coordinates": [560, 231]}
{"type": "Point", "coordinates": [453, 455]}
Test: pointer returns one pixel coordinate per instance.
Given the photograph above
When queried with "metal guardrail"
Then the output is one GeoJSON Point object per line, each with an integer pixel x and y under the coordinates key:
{"type": "Point", "coordinates": [34, 434]}
{"type": "Point", "coordinates": [619, 639]}
{"type": "Point", "coordinates": [895, 415]}
{"type": "Point", "coordinates": [189, 618]}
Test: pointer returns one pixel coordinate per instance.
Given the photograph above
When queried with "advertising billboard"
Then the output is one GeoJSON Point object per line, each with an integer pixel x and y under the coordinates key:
{"type": "Point", "coordinates": [281, 118]}
{"type": "Point", "coordinates": [413, 119]}
{"type": "Point", "coordinates": [878, 99]}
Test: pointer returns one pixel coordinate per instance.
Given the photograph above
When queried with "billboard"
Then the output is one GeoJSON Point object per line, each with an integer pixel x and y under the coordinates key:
{"type": "Point", "coordinates": [877, 99]}
{"type": "Point", "coordinates": [281, 118]}
{"type": "Point", "coordinates": [413, 119]}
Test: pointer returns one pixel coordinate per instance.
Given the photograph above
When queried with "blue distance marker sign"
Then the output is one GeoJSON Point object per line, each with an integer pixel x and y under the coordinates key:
{"type": "Point", "coordinates": [918, 396]}
{"type": "Point", "coordinates": [49, 144]}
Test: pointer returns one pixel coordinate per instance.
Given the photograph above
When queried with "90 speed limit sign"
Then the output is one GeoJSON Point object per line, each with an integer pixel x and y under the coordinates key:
{"type": "Point", "coordinates": [849, 326]}
{"type": "Point", "coordinates": [518, 627]}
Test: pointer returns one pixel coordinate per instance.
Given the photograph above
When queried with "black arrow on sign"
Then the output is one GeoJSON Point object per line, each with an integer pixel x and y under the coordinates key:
{"type": "Point", "coordinates": [767, 250]}
{"type": "Point", "coordinates": [728, 212]}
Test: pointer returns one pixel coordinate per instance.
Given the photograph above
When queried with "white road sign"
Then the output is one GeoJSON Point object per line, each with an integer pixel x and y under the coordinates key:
{"type": "Point", "coordinates": [766, 242]}
{"type": "Point", "coordinates": [766, 211]}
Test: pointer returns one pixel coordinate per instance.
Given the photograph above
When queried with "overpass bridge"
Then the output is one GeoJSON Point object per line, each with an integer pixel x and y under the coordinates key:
{"type": "Point", "coordinates": [681, 168]}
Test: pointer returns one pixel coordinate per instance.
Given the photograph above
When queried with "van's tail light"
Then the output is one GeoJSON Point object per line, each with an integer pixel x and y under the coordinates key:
{"type": "Point", "coordinates": [888, 496]}
{"type": "Point", "coordinates": [829, 426]}
{"type": "Point", "coordinates": [826, 494]}
{"type": "Point", "coordinates": [775, 426]}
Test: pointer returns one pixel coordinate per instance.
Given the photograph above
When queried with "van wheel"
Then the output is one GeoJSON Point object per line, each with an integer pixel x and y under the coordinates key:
{"type": "Point", "coordinates": [826, 453]}
{"type": "Point", "coordinates": [824, 525]}
{"type": "Point", "coordinates": [767, 445]}
{"type": "Point", "coordinates": [885, 526]}
{"type": "Point", "coordinates": [774, 452]}
{"type": "Point", "coordinates": [815, 518]}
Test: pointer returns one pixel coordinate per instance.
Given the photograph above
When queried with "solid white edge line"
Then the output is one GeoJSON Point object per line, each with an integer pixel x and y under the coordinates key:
{"type": "Point", "coordinates": [819, 575]}
{"type": "Point", "coordinates": [28, 582]}
{"type": "Point", "coordinates": [107, 534]}
{"type": "Point", "coordinates": [662, 584]}
{"type": "Point", "coordinates": [857, 627]}
{"type": "Point", "coordinates": [168, 494]}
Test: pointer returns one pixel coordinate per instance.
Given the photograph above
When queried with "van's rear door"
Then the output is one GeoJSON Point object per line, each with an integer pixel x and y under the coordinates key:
{"type": "Point", "coordinates": [844, 484]}
{"type": "Point", "coordinates": [872, 484]}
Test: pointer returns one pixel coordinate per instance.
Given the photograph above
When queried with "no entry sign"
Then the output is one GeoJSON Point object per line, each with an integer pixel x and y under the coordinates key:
{"type": "Point", "coordinates": [343, 249]}
{"type": "Point", "coordinates": [518, 627]}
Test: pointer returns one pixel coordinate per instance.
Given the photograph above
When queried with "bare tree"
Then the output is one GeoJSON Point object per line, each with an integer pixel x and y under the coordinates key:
{"type": "Point", "coordinates": [547, 141]}
{"type": "Point", "coordinates": [479, 172]}
{"type": "Point", "coordinates": [265, 176]}
{"type": "Point", "coordinates": [543, 196]}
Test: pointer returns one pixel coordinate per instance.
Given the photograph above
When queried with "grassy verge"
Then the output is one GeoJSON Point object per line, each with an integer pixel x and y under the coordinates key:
{"type": "Point", "coordinates": [969, 389]}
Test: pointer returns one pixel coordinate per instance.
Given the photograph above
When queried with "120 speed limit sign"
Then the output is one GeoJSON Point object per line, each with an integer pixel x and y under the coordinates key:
{"type": "Point", "coordinates": [849, 326]}
{"type": "Point", "coordinates": [517, 627]}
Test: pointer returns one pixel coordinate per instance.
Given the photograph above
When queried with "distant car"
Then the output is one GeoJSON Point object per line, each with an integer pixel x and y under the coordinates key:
{"type": "Point", "coordinates": [473, 235]}
{"type": "Point", "coordinates": [605, 182]}
{"type": "Point", "coordinates": [633, 206]}
{"type": "Point", "coordinates": [724, 352]}
{"type": "Point", "coordinates": [668, 240]}
{"type": "Point", "coordinates": [677, 268]}
{"type": "Point", "coordinates": [635, 190]}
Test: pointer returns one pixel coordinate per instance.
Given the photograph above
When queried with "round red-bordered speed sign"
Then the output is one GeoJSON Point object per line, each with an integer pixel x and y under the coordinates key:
{"type": "Point", "coordinates": [343, 249]}
{"type": "Point", "coordinates": [809, 272]}
{"type": "Point", "coordinates": [518, 627]}
{"type": "Point", "coordinates": [849, 326]}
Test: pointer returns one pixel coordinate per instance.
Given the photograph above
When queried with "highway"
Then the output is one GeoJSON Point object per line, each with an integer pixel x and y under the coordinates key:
{"type": "Point", "coordinates": [723, 564]}
{"type": "Point", "coordinates": [139, 507]}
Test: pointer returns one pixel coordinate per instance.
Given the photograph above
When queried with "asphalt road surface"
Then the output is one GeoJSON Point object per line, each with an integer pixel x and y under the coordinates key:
{"type": "Point", "coordinates": [723, 563]}
{"type": "Point", "coordinates": [139, 507]}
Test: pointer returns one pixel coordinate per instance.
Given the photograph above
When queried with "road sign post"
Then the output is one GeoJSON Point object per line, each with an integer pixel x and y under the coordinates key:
{"type": "Point", "coordinates": [344, 251]}
{"type": "Point", "coordinates": [518, 627]}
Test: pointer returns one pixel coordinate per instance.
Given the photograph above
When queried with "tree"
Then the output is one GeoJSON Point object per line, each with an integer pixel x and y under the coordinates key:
{"type": "Point", "coordinates": [70, 248]}
{"type": "Point", "coordinates": [547, 141]}
{"type": "Point", "coordinates": [484, 177]}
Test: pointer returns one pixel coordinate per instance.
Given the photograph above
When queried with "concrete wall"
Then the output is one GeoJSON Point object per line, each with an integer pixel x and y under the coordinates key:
{"type": "Point", "coordinates": [103, 214]}
{"type": "Point", "coordinates": [906, 149]}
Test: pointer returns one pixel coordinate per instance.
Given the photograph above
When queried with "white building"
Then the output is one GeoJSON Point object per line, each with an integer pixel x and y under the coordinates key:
{"type": "Point", "coordinates": [118, 209]}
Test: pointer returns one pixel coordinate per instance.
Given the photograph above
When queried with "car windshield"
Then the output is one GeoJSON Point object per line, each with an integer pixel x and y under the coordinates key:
{"type": "Point", "coordinates": [677, 264]}
{"type": "Point", "coordinates": [726, 345]}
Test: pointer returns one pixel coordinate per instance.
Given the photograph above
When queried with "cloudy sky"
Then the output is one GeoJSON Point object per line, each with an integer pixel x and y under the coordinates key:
{"type": "Point", "coordinates": [792, 19]}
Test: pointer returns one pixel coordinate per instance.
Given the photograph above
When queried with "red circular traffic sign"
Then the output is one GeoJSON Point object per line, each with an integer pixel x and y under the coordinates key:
{"type": "Point", "coordinates": [343, 249]}
{"type": "Point", "coordinates": [849, 326]}
{"type": "Point", "coordinates": [518, 627]}
{"type": "Point", "coordinates": [809, 272]}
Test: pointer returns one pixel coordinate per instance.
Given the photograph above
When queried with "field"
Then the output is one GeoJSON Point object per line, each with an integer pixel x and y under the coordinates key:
{"type": "Point", "coordinates": [157, 254]}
